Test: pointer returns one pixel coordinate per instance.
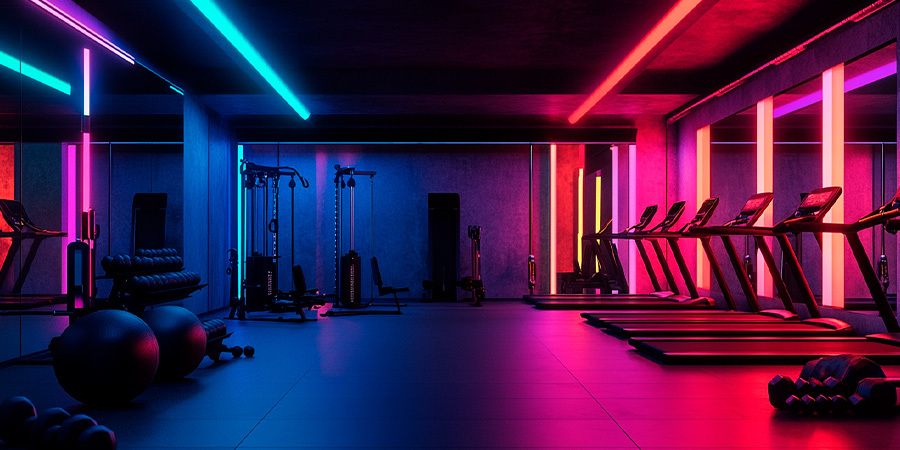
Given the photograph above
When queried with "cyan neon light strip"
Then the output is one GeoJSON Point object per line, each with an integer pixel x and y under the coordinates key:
{"type": "Point", "coordinates": [179, 91]}
{"type": "Point", "coordinates": [14, 64]}
{"type": "Point", "coordinates": [243, 46]}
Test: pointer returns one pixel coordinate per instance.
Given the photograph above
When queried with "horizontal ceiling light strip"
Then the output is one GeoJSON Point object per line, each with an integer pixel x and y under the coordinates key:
{"type": "Point", "coordinates": [18, 66]}
{"type": "Point", "coordinates": [222, 23]}
{"type": "Point", "coordinates": [83, 29]}
{"type": "Point", "coordinates": [862, 14]}
{"type": "Point", "coordinates": [654, 37]}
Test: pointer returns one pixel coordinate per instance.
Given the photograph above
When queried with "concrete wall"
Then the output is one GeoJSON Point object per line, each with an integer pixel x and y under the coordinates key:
{"type": "Point", "coordinates": [492, 181]}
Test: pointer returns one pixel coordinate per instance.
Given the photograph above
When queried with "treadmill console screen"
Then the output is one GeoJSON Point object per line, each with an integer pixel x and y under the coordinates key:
{"type": "Point", "coordinates": [817, 203]}
{"type": "Point", "coordinates": [648, 214]}
{"type": "Point", "coordinates": [751, 211]}
{"type": "Point", "coordinates": [672, 216]}
{"type": "Point", "coordinates": [703, 214]}
{"type": "Point", "coordinates": [705, 211]}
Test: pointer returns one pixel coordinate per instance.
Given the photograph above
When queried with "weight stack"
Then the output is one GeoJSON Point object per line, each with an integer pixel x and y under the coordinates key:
{"type": "Point", "coordinates": [261, 282]}
{"type": "Point", "coordinates": [350, 279]}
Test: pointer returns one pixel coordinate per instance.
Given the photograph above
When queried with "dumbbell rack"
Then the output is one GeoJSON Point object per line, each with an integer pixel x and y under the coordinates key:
{"type": "Point", "coordinates": [126, 292]}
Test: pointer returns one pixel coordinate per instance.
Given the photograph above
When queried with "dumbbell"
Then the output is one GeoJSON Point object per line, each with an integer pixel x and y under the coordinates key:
{"type": "Point", "coordinates": [14, 411]}
{"type": "Point", "coordinates": [43, 421]}
{"type": "Point", "coordinates": [875, 396]}
{"type": "Point", "coordinates": [96, 437]}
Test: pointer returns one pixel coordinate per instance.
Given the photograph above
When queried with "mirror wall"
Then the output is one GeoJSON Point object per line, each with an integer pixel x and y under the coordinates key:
{"type": "Point", "coordinates": [135, 131]}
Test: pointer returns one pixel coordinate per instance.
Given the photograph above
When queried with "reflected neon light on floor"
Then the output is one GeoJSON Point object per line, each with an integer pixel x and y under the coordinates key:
{"type": "Point", "coordinates": [852, 84]}
{"type": "Point", "coordinates": [19, 66]}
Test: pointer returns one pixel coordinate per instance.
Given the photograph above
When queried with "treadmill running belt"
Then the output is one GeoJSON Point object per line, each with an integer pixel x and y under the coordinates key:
{"type": "Point", "coordinates": [726, 329]}
{"type": "Point", "coordinates": [749, 351]}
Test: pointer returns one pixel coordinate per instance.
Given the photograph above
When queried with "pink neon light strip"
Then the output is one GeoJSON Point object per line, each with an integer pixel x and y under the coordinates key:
{"type": "Point", "coordinates": [70, 209]}
{"type": "Point", "coordinates": [85, 172]}
{"type": "Point", "coordinates": [854, 83]}
{"type": "Point", "coordinates": [83, 29]}
{"type": "Point", "coordinates": [87, 82]}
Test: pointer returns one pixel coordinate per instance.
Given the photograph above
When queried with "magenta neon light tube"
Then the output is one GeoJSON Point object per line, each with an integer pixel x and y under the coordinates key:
{"type": "Point", "coordinates": [70, 209]}
{"type": "Point", "coordinates": [87, 82]}
{"type": "Point", "coordinates": [852, 84]}
{"type": "Point", "coordinates": [86, 172]}
{"type": "Point", "coordinates": [58, 12]}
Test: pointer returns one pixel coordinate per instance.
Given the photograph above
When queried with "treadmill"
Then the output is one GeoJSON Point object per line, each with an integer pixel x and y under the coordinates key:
{"type": "Point", "coordinates": [811, 211]}
{"type": "Point", "coordinates": [608, 260]}
{"type": "Point", "coordinates": [883, 348]}
{"type": "Point", "coordinates": [748, 215]}
{"type": "Point", "coordinates": [660, 300]}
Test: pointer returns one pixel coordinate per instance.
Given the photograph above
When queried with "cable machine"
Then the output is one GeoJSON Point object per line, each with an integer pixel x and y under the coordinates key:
{"type": "Point", "coordinates": [347, 279]}
{"type": "Point", "coordinates": [260, 241]}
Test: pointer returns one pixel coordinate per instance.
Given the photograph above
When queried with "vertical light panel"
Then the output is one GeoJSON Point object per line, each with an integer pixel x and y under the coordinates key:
{"type": "Point", "coordinates": [69, 205]}
{"type": "Point", "coordinates": [87, 82]}
{"type": "Point", "coordinates": [86, 137]}
{"type": "Point", "coordinates": [632, 213]}
{"type": "Point", "coordinates": [241, 214]}
{"type": "Point", "coordinates": [580, 216]}
{"type": "Point", "coordinates": [704, 143]}
{"type": "Point", "coordinates": [598, 204]}
{"type": "Point", "coordinates": [833, 175]}
{"type": "Point", "coordinates": [552, 218]}
{"type": "Point", "coordinates": [764, 183]}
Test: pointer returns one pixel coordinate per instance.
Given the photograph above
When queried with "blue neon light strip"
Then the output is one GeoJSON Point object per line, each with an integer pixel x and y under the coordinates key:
{"type": "Point", "coordinates": [179, 91]}
{"type": "Point", "coordinates": [240, 217]}
{"type": "Point", "coordinates": [243, 46]}
{"type": "Point", "coordinates": [14, 64]}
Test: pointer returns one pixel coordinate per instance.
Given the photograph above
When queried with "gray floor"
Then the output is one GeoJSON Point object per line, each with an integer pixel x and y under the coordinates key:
{"type": "Point", "coordinates": [452, 376]}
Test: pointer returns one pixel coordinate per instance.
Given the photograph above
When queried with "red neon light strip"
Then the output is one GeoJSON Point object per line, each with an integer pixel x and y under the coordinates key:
{"type": "Point", "coordinates": [656, 34]}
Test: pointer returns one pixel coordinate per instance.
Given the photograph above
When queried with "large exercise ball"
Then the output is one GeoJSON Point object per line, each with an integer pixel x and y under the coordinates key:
{"type": "Point", "coordinates": [182, 340]}
{"type": "Point", "coordinates": [107, 357]}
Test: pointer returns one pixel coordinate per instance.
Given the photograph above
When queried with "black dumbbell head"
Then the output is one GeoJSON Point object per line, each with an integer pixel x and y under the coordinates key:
{"type": "Point", "coordinates": [14, 411]}
{"type": "Point", "coordinates": [71, 429]}
{"type": "Point", "coordinates": [236, 351]}
{"type": "Point", "coordinates": [780, 388]}
{"type": "Point", "coordinates": [46, 419]}
{"type": "Point", "coordinates": [96, 437]}
{"type": "Point", "coordinates": [249, 351]}
{"type": "Point", "coordinates": [840, 404]}
{"type": "Point", "coordinates": [794, 404]}
{"type": "Point", "coordinates": [47, 440]}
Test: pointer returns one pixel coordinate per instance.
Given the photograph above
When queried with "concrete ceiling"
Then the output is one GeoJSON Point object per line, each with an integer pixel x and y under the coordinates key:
{"type": "Point", "coordinates": [466, 63]}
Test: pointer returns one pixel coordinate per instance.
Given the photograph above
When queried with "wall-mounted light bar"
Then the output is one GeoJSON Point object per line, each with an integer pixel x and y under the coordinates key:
{"type": "Point", "coordinates": [179, 91]}
{"type": "Point", "coordinates": [19, 66]}
{"type": "Point", "coordinates": [67, 18]}
{"type": "Point", "coordinates": [552, 218]}
{"type": "Point", "coordinates": [580, 219]}
{"type": "Point", "coordinates": [865, 12]}
{"type": "Point", "coordinates": [222, 23]}
{"type": "Point", "coordinates": [654, 37]}
{"type": "Point", "coordinates": [852, 84]}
